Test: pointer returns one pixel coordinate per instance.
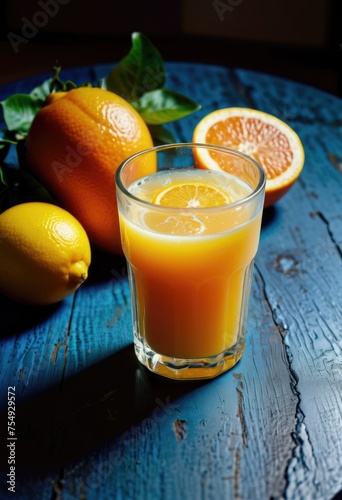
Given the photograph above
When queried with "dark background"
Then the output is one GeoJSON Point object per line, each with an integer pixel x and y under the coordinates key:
{"type": "Point", "coordinates": [297, 39]}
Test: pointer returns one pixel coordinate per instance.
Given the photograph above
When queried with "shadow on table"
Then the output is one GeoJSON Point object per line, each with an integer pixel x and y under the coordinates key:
{"type": "Point", "coordinates": [270, 216]}
{"type": "Point", "coordinates": [105, 266]}
{"type": "Point", "coordinates": [17, 318]}
{"type": "Point", "coordinates": [89, 410]}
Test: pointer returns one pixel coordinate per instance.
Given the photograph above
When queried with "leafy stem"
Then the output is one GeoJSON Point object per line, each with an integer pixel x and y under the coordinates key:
{"type": "Point", "coordinates": [140, 78]}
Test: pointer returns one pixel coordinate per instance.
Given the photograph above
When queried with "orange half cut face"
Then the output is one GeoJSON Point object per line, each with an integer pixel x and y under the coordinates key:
{"type": "Point", "coordinates": [263, 137]}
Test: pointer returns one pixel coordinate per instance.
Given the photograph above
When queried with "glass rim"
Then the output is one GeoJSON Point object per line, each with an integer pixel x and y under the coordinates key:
{"type": "Point", "coordinates": [190, 145]}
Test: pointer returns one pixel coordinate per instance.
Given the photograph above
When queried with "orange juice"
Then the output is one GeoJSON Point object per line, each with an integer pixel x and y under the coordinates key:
{"type": "Point", "coordinates": [190, 267]}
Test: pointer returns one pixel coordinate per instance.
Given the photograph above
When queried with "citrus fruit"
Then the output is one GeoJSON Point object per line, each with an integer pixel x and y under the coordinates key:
{"type": "Point", "coordinates": [44, 253]}
{"type": "Point", "coordinates": [74, 146]}
{"type": "Point", "coordinates": [186, 196]}
{"type": "Point", "coordinates": [270, 141]}
{"type": "Point", "coordinates": [192, 195]}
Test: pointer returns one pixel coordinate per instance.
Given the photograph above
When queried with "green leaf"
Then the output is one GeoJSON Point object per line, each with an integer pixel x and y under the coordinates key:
{"type": "Point", "coordinates": [142, 70]}
{"type": "Point", "coordinates": [2, 179]}
{"type": "Point", "coordinates": [163, 106]}
{"type": "Point", "coordinates": [161, 135]}
{"type": "Point", "coordinates": [41, 92]}
{"type": "Point", "coordinates": [20, 109]}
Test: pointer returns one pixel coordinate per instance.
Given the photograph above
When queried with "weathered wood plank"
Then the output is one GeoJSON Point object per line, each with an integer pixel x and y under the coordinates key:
{"type": "Point", "coordinates": [95, 424]}
{"type": "Point", "coordinates": [31, 345]}
{"type": "Point", "coordinates": [300, 263]}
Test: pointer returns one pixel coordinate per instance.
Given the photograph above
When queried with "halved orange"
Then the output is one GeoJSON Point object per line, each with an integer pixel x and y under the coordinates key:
{"type": "Point", "coordinates": [267, 139]}
{"type": "Point", "coordinates": [192, 195]}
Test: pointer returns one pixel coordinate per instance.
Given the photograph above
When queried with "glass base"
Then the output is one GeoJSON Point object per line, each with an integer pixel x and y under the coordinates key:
{"type": "Point", "coordinates": [187, 369]}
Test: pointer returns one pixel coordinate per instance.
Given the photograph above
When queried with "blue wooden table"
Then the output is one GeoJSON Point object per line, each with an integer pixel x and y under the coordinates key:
{"type": "Point", "coordinates": [91, 423]}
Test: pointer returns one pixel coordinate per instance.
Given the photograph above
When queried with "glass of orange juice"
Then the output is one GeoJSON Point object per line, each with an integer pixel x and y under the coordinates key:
{"type": "Point", "coordinates": [190, 217]}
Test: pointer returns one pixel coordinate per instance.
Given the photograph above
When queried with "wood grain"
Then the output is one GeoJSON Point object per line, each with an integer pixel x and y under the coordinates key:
{"type": "Point", "coordinates": [92, 423]}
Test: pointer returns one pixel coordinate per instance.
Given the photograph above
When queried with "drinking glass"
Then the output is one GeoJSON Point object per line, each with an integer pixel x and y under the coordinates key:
{"type": "Point", "coordinates": [190, 217]}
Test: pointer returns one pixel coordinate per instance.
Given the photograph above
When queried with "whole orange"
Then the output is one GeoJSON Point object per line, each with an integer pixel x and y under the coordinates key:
{"type": "Point", "coordinates": [74, 146]}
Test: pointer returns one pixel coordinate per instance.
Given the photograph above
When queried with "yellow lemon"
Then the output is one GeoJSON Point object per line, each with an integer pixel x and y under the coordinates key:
{"type": "Point", "coordinates": [44, 253]}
